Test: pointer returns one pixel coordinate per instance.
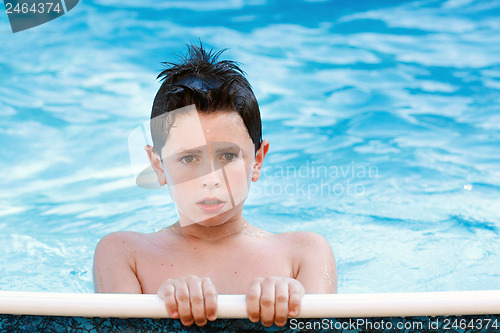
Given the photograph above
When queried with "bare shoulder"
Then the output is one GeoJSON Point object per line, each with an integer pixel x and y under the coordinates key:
{"type": "Point", "coordinates": [305, 241]}
{"type": "Point", "coordinates": [114, 263]}
{"type": "Point", "coordinates": [313, 261]}
{"type": "Point", "coordinates": [122, 245]}
{"type": "Point", "coordinates": [117, 241]}
{"type": "Point", "coordinates": [113, 246]}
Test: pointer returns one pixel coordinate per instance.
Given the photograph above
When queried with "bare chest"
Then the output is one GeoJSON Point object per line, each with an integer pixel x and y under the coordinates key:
{"type": "Point", "coordinates": [231, 269]}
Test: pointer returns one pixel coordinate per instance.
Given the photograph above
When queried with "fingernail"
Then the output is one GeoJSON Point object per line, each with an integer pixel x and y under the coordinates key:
{"type": "Point", "coordinates": [212, 317]}
{"type": "Point", "coordinates": [292, 313]}
{"type": "Point", "coordinates": [175, 314]}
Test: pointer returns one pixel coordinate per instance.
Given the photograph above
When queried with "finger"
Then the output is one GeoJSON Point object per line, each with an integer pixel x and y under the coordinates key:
{"type": "Point", "coordinates": [210, 296]}
{"type": "Point", "coordinates": [197, 301]}
{"type": "Point", "coordinates": [296, 292]}
{"type": "Point", "coordinates": [183, 302]}
{"type": "Point", "coordinates": [281, 304]}
{"type": "Point", "coordinates": [253, 300]}
{"type": "Point", "coordinates": [167, 294]}
{"type": "Point", "coordinates": [267, 302]}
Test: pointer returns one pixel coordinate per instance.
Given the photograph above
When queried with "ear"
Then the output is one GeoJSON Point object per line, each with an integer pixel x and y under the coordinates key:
{"type": "Point", "coordinates": [155, 161]}
{"type": "Point", "coordinates": [259, 160]}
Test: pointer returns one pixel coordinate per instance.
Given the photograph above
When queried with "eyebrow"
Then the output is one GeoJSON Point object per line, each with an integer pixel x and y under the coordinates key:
{"type": "Point", "coordinates": [198, 150]}
{"type": "Point", "coordinates": [188, 151]}
{"type": "Point", "coordinates": [233, 148]}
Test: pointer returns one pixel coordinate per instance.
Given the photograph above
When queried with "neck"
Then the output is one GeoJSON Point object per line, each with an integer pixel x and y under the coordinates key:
{"type": "Point", "coordinates": [215, 233]}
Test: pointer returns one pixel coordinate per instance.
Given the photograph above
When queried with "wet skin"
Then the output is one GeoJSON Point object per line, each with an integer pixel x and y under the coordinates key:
{"type": "Point", "coordinates": [203, 254]}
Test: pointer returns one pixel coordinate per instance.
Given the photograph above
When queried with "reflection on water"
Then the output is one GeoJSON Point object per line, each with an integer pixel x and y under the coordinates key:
{"type": "Point", "coordinates": [409, 88]}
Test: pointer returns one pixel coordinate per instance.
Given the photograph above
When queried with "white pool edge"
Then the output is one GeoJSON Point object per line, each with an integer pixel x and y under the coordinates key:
{"type": "Point", "coordinates": [233, 306]}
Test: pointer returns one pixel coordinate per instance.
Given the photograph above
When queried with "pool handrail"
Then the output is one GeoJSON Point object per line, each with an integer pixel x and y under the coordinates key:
{"type": "Point", "coordinates": [233, 306]}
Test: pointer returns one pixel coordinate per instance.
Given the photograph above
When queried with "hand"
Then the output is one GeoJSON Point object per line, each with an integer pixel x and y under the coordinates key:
{"type": "Point", "coordinates": [273, 299]}
{"type": "Point", "coordinates": [190, 298]}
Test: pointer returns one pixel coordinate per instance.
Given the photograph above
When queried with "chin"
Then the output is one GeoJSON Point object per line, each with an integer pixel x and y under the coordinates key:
{"type": "Point", "coordinates": [217, 220]}
{"type": "Point", "coordinates": [209, 220]}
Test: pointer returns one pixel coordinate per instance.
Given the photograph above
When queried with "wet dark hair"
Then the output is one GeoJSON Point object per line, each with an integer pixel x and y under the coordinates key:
{"type": "Point", "coordinates": [210, 85]}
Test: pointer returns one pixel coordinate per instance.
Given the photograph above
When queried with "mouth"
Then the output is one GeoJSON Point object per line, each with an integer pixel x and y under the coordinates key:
{"type": "Point", "coordinates": [210, 202]}
{"type": "Point", "coordinates": [211, 205]}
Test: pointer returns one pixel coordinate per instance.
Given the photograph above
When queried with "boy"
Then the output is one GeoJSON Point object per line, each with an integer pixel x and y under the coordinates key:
{"type": "Point", "coordinates": [206, 131]}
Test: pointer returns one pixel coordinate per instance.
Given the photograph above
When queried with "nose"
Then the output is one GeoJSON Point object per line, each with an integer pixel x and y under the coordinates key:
{"type": "Point", "coordinates": [212, 175]}
{"type": "Point", "coordinates": [211, 179]}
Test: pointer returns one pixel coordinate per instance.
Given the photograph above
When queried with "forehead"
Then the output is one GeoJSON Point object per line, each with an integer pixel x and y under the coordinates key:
{"type": "Point", "coordinates": [193, 129]}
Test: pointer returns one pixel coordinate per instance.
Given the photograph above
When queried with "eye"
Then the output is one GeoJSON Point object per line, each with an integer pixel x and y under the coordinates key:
{"type": "Point", "coordinates": [229, 156]}
{"type": "Point", "coordinates": [188, 159]}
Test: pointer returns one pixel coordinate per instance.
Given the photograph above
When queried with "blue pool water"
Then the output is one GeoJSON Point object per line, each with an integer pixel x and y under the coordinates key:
{"type": "Point", "coordinates": [383, 118]}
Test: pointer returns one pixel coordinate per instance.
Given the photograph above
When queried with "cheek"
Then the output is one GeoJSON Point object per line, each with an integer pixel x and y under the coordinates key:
{"type": "Point", "coordinates": [238, 179]}
{"type": "Point", "coordinates": [181, 192]}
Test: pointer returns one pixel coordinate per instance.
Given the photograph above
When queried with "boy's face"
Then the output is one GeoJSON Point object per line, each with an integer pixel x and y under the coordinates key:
{"type": "Point", "coordinates": [208, 163]}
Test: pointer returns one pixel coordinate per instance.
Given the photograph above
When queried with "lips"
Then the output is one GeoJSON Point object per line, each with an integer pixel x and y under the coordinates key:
{"type": "Point", "coordinates": [210, 201]}
{"type": "Point", "coordinates": [211, 205]}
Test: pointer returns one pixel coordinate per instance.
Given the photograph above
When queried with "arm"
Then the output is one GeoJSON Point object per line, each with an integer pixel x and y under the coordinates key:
{"type": "Point", "coordinates": [316, 268]}
{"type": "Point", "coordinates": [114, 265]}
